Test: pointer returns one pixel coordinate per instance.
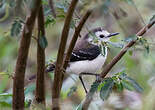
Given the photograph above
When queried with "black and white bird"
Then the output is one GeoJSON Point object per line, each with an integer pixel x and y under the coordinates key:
{"type": "Point", "coordinates": [86, 58]}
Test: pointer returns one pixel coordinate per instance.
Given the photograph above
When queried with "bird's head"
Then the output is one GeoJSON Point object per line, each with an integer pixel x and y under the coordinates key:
{"type": "Point", "coordinates": [99, 35]}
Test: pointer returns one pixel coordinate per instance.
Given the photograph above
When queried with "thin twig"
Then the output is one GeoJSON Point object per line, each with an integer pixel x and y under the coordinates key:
{"type": "Point", "coordinates": [58, 70]}
{"type": "Point", "coordinates": [105, 71]}
{"type": "Point", "coordinates": [18, 82]}
{"type": "Point", "coordinates": [51, 4]}
{"type": "Point", "coordinates": [40, 82]}
{"type": "Point", "coordinates": [75, 37]}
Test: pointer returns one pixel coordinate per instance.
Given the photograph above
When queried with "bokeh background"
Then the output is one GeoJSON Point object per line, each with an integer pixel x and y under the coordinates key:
{"type": "Point", "coordinates": [124, 16]}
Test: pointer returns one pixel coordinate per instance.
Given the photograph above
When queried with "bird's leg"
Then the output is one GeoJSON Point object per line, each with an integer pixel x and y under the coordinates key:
{"type": "Point", "coordinates": [80, 77]}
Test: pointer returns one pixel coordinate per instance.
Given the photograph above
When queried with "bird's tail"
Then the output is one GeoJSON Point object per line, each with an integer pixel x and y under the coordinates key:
{"type": "Point", "coordinates": [48, 69]}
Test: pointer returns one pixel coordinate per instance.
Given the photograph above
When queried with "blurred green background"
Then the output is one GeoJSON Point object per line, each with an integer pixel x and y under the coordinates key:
{"type": "Point", "coordinates": [124, 16]}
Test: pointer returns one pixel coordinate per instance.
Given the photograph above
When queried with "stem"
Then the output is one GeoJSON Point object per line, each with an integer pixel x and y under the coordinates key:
{"type": "Point", "coordinates": [75, 37]}
{"type": "Point", "coordinates": [52, 7]}
{"type": "Point", "coordinates": [89, 96]}
{"type": "Point", "coordinates": [40, 82]}
{"type": "Point", "coordinates": [58, 70]}
{"type": "Point", "coordinates": [18, 82]}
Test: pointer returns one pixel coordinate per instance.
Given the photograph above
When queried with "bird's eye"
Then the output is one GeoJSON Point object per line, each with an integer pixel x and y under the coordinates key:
{"type": "Point", "coordinates": [101, 36]}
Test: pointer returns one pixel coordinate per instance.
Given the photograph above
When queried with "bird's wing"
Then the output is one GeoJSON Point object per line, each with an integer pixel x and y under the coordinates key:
{"type": "Point", "coordinates": [85, 54]}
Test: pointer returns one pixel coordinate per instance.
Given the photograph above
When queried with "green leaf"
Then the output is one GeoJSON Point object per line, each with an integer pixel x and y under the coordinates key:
{"type": "Point", "coordinates": [27, 103]}
{"type": "Point", "coordinates": [49, 20]}
{"type": "Point", "coordinates": [136, 86]}
{"type": "Point", "coordinates": [94, 87]}
{"type": "Point", "coordinates": [4, 104]}
{"type": "Point", "coordinates": [5, 94]}
{"type": "Point", "coordinates": [127, 85]}
{"type": "Point", "coordinates": [79, 107]}
{"type": "Point", "coordinates": [119, 87]}
{"type": "Point", "coordinates": [130, 52]}
{"type": "Point", "coordinates": [117, 45]}
{"type": "Point", "coordinates": [142, 41]}
{"type": "Point", "coordinates": [130, 38]}
{"type": "Point", "coordinates": [72, 25]}
{"type": "Point", "coordinates": [61, 6]}
{"type": "Point", "coordinates": [29, 89]}
{"type": "Point", "coordinates": [107, 88]}
{"type": "Point", "coordinates": [44, 2]}
{"type": "Point", "coordinates": [43, 42]}
{"type": "Point", "coordinates": [16, 27]}
{"type": "Point", "coordinates": [72, 90]}
{"type": "Point", "coordinates": [103, 50]}
{"type": "Point", "coordinates": [122, 75]}
{"type": "Point", "coordinates": [130, 2]}
{"type": "Point", "coordinates": [152, 20]}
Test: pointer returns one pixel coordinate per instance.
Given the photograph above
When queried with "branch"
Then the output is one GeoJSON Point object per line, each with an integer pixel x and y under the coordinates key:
{"type": "Point", "coordinates": [75, 37]}
{"type": "Point", "coordinates": [89, 96]}
{"type": "Point", "coordinates": [52, 8]}
{"type": "Point", "coordinates": [58, 70]}
{"type": "Point", "coordinates": [40, 82]}
{"type": "Point", "coordinates": [124, 50]}
{"type": "Point", "coordinates": [18, 82]}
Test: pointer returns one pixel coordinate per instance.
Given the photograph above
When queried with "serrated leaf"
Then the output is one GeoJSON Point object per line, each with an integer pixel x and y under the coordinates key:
{"type": "Point", "coordinates": [107, 88]}
{"type": "Point", "coordinates": [122, 75]}
{"type": "Point", "coordinates": [152, 20]}
{"type": "Point", "coordinates": [144, 43]}
{"type": "Point", "coordinates": [119, 86]}
{"type": "Point", "coordinates": [43, 42]}
{"type": "Point", "coordinates": [72, 90]}
{"type": "Point", "coordinates": [94, 87]}
{"type": "Point", "coordinates": [136, 86]}
{"type": "Point", "coordinates": [127, 85]}
{"type": "Point", "coordinates": [49, 21]}
{"type": "Point", "coordinates": [16, 28]}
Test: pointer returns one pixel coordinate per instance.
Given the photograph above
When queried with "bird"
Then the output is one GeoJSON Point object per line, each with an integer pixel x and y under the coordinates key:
{"type": "Point", "coordinates": [86, 57]}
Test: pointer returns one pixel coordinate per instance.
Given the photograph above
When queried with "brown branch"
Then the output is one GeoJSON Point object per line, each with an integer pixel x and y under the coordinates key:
{"type": "Point", "coordinates": [40, 82]}
{"type": "Point", "coordinates": [89, 96]}
{"type": "Point", "coordinates": [18, 82]}
{"type": "Point", "coordinates": [75, 37]}
{"type": "Point", "coordinates": [52, 8]}
{"type": "Point", "coordinates": [73, 41]}
{"type": "Point", "coordinates": [58, 70]}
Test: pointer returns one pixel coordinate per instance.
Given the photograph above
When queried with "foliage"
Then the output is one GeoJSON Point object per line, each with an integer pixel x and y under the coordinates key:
{"type": "Point", "coordinates": [43, 42]}
{"type": "Point", "coordinates": [118, 82]}
{"type": "Point", "coordinates": [106, 88]}
{"type": "Point", "coordinates": [16, 27]}
{"type": "Point", "coordinates": [139, 67]}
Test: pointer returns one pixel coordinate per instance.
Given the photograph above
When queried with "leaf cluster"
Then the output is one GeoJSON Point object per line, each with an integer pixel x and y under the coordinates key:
{"type": "Point", "coordinates": [118, 82]}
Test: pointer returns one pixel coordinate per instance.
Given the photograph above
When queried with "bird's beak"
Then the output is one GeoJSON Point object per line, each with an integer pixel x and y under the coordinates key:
{"type": "Point", "coordinates": [113, 34]}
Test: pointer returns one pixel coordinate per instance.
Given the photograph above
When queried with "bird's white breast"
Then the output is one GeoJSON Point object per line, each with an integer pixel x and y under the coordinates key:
{"type": "Point", "coordinates": [86, 66]}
